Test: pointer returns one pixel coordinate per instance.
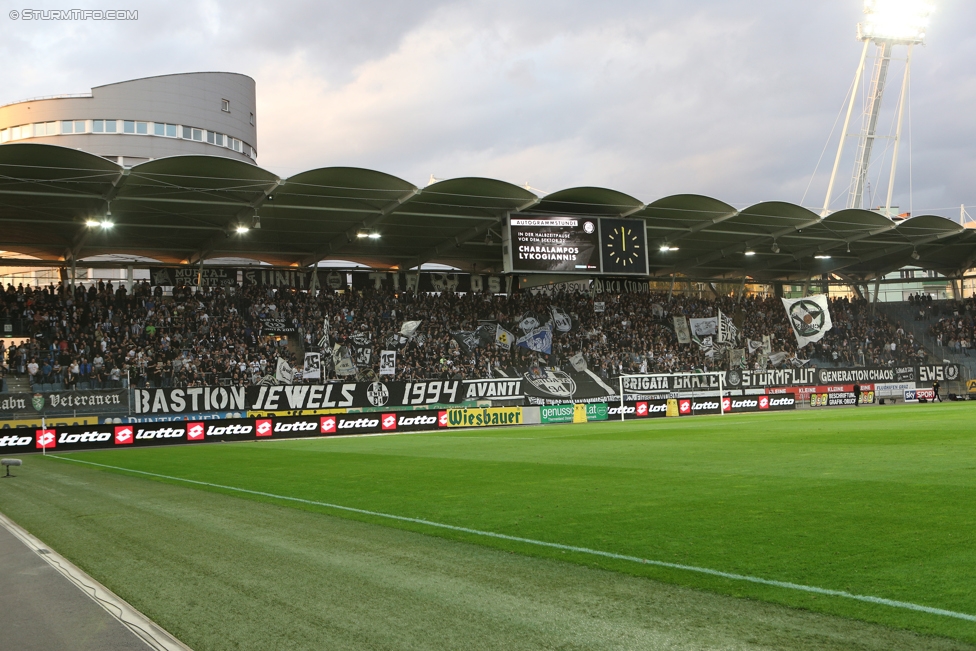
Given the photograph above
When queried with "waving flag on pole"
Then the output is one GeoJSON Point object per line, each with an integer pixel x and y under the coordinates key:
{"type": "Point", "coordinates": [538, 340]}
{"type": "Point", "coordinates": [809, 316]}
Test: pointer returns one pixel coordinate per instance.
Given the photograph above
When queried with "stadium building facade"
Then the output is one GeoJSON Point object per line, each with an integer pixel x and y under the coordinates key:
{"type": "Point", "coordinates": [130, 122]}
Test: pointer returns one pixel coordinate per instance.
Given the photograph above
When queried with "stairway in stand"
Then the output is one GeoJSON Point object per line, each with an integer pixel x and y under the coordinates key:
{"type": "Point", "coordinates": [16, 384]}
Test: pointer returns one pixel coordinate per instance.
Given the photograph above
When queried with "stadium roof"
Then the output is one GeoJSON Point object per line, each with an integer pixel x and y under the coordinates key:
{"type": "Point", "coordinates": [185, 209]}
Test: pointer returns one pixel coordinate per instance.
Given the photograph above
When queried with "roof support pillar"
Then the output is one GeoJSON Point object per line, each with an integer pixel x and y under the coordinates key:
{"type": "Point", "coordinates": [877, 288]}
{"type": "Point", "coordinates": [671, 291]}
{"type": "Point", "coordinates": [806, 287]}
{"type": "Point", "coordinates": [314, 283]}
{"type": "Point", "coordinates": [742, 289]}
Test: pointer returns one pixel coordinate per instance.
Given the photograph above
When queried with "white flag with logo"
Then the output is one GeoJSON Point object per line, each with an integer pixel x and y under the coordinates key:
{"type": "Point", "coordinates": [681, 330]}
{"type": "Point", "coordinates": [387, 362]}
{"type": "Point", "coordinates": [343, 361]}
{"type": "Point", "coordinates": [284, 373]}
{"type": "Point", "coordinates": [704, 327]}
{"type": "Point", "coordinates": [809, 316]}
{"type": "Point", "coordinates": [409, 328]}
{"type": "Point", "coordinates": [503, 338]}
{"type": "Point", "coordinates": [579, 362]}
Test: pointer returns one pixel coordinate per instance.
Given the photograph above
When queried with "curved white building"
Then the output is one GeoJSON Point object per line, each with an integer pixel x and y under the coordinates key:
{"type": "Point", "coordinates": [130, 122]}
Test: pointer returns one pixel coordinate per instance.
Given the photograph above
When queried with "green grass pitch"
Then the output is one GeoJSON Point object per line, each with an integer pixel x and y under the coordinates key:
{"type": "Point", "coordinates": [875, 501]}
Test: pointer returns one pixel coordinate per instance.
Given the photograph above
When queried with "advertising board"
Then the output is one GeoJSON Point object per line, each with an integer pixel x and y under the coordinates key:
{"type": "Point", "coordinates": [486, 417]}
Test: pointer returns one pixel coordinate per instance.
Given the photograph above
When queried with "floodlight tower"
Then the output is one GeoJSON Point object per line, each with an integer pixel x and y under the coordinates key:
{"type": "Point", "coordinates": [887, 23]}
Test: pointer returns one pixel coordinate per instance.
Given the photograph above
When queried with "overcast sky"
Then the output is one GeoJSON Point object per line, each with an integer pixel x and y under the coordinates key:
{"type": "Point", "coordinates": [734, 99]}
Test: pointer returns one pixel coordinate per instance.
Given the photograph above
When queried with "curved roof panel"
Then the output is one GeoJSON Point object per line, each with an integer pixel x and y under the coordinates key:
{"type": "Point", "coordinates": [192, 208]}
{"type": "Point", "coordinates": [594, 201]}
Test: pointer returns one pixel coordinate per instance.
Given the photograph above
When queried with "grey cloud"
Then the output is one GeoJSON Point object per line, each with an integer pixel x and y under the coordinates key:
{"type": "Point", "coordinates": [732, 98]}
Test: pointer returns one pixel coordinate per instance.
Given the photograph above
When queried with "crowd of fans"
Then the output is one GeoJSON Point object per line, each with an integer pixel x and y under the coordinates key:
{"type": "Point", "coordinates": [955, 329]}
{"type": "Point", "coordinates": [102, 336]}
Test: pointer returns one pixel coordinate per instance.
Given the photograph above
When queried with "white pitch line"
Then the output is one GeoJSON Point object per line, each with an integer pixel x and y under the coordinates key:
{"type": "Point", "coordinates": [570, 548]}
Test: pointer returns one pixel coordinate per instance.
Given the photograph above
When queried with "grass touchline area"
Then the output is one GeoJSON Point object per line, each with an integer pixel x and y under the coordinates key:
{"type": "Point", "coordinates": [582, 550]}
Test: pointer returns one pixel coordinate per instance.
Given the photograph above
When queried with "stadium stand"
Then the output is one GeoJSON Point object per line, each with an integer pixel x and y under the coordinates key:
{"type": "Point", "coordinates": [101, 336]}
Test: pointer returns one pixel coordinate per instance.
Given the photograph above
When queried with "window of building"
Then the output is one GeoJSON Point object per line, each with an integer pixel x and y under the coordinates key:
{"type": "Point", "coordinates": [907, 274]}
{"type": "Point", "coordinates": [80, 126]}
{"type": "Point", "coordinates": [67, 126]}
{"type": "Point", "coordinates": [210, 139]}
{"type": "Point", "coordinates": [98, 126]}
{"type": "Point", "coordinates": [15, 133]}
{"type": "Point", "coordinates": [4, 135]}
{"type": "Point", "coordinates": [254, 154]}
{"type": "Point", "coordinates": [198, 134]}
{"type": "Point", "coordinates": [219, 139]}
{"type": "Point", "coordinates": [170, 130]}
{"type": "Point", "coordinates": [159, 129]}
{"type": "Point", "coordinates": [225, 105]}
{"type": "Point", "coordinates": [142, 127]}
{"type": "Point", "coordinates": [128, 126]}
{"type": "Point", "coordinates": [187, 133]}
{"type": "Point", "coordinates": [111, 126]}
{"type": "Point", "coordinates": [252, 124]}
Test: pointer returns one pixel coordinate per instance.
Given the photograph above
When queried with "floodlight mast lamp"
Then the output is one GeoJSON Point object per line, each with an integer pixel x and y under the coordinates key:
{"type": "Point", "coordinates": [887, 23]}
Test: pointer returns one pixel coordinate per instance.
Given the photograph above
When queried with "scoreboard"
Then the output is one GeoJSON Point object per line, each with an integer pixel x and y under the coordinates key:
{"type": "Point", "coordinates": [572, 244]}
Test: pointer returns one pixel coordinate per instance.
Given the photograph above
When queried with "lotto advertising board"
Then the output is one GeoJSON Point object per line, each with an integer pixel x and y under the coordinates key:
{"type": "Point", "coordinates": [95, 436]}
{"type": "Point", "coordinates": [638, 409]}
{"type": "Point", "coordinates": [763, 402]}
{"type": "Point", "coordinates": [695, 406]}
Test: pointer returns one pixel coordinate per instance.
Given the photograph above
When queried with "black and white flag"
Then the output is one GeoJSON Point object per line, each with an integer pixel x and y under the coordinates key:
{"type": "Point", "coordinates": [681, 329]}
{"type": "Point", "coordinates": [313, 366]}
{"type": "Point", "coordinates": [388, 362]}
{"type": "Point", "coordinates": [343, 361]}
{"type": "Point", "coordinates": [561, 321]}
{"type": "Point", "coordinates": [704, 327]}
{"type": "Point", "coordinates": [809, 316]}
{"type": "Point", "coordinates": [284, 373]}
{"type": "Point", "coordinates": [727, 332]}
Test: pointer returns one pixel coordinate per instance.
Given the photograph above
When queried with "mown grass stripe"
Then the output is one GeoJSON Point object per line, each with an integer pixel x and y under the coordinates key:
{"type": "Point", "coordinates": [571, 548]}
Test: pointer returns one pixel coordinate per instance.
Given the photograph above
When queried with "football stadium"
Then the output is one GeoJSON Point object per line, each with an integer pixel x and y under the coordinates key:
{"type": "Point", "coordinates": [334, 409]}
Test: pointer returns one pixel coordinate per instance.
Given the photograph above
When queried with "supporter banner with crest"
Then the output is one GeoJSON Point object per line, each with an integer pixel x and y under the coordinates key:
{"type": "Point", "coordinates": [64, 402]}
{"type": "Point", "coordinates": [428, 281]}
{"type": "Point", "coordinates": [297, 278]}
{"type": "Point", "coordinates": [193, 276]}
{"type": "Point", "coordinates": [796, 377]}
{"type": "Point", "coordinates": [278, 327]}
